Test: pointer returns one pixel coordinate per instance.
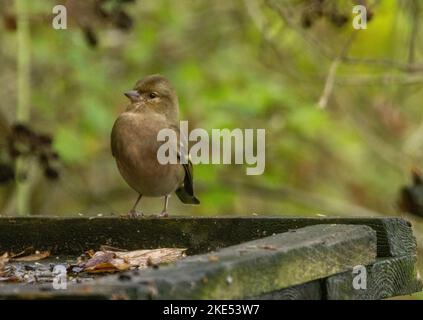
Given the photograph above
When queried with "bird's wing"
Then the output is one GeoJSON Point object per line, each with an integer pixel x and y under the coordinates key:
{"type": "Point", "coordinates": [185, 159]}
{"type": "Point", "coordinates": [113, 140]}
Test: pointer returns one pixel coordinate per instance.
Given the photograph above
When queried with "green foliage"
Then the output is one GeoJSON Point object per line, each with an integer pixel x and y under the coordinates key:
{"type": "Point", "coordinates": [237, 64]}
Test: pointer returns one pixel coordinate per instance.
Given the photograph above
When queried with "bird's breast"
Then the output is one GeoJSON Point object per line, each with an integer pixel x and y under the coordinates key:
{"type": "Point", "coordinates": [135, 146]}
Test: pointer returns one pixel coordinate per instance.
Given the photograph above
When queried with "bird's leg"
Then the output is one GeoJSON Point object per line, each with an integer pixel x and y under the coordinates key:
{"type": "Point", "coordinates": [164, 213]}
{"type": "Point", "coordinates": [133, 213]}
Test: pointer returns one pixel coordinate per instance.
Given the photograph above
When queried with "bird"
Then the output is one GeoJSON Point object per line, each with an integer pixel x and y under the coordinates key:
{"type": "Point", "coordinates": [411, 196]}
{"type": "Point", "coordinates": [153, 106]}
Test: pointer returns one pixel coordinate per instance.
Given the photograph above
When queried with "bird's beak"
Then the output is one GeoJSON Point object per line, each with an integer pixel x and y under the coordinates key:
{"type": "Point", "coordinates": [132, 95]}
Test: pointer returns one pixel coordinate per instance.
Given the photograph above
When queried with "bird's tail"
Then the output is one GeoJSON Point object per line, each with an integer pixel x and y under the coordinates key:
{"type": "Point", "coordinates": [185, 197]}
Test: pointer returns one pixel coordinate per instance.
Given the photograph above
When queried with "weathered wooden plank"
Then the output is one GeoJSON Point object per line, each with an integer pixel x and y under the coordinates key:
{"type": "Point", "coordinates": [308, 291]}
{"type": "Point", "coordinates": [199, 235]}
{"type": "Point", "coordinates": [253, 268]}
{"type": "Point", "coordinates": [386, 278]}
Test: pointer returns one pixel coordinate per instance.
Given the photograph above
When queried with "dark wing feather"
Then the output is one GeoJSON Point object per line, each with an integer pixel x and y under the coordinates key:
{"type": "Point", "coordinates": [186, 191]}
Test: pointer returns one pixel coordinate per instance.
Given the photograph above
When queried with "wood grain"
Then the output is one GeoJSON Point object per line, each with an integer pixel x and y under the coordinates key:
{"type": "Point", "coordinates": [385, 278]}
{"type": "Point", "coordinates": [307, 291]}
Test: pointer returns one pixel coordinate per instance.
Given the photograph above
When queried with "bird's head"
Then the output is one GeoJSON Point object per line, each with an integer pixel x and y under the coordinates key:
{"type": "Point", "coordinates": [154, 93]}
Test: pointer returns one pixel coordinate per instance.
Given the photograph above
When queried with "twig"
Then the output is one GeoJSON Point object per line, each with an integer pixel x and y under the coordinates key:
{"type": "Point", "coordinates": [329, 83]}
{"type": "Point", "coordinates": [330, 79]}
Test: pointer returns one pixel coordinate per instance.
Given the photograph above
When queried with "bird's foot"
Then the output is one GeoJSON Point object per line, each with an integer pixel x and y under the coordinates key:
{"type": "Point", "coordinates": [163, 214]}
{"type": "Point", "coordinates": [134, 214]}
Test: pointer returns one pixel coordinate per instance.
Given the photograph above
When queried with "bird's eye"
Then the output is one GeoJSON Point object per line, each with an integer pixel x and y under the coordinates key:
{"type": "Point", "coordinates": [153, 95]}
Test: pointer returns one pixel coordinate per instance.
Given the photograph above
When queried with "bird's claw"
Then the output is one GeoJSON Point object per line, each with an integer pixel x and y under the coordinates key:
{"type": "Point", "coordinates": [134, 214]}
{"type": "Point", "coordinates": [163, 214]}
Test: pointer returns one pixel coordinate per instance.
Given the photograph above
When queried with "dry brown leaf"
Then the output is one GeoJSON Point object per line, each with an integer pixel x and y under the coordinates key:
{"type": "Point", "coordinates": [3, 260]}
{"type": "Point", "coordinates": [114, 266]}
{"type": "Point", "coordinates": [143, 258]}
{"type": "Point", "coordinates": [90, 253]}
{"type": "Point", "coordinates": [10, 279]}
{"type": "Point", "coordinates": [108, 261]}
{"type": "Point", "coordinates": [38, 255]}
{"type": "Point", "coordinates": [25, 252]}
{"type": "Point", "coordinates": [105, 261]}
{"type": "Point", "coordinates": [5, 275]}
{"type": "Point", "coordinates": [98, 258]}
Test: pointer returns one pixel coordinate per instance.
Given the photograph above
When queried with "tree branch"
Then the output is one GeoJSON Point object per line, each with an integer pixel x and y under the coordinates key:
{"type": "Point", "coordinates": [330, 79]}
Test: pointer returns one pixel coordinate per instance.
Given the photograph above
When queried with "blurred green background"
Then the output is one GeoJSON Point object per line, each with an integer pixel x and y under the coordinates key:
{"type": "Point", "coordinates": [342, 108]}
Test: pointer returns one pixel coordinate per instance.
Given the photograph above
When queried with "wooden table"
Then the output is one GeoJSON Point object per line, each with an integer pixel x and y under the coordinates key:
{"type": "Point", "coordinates": [230, 258]}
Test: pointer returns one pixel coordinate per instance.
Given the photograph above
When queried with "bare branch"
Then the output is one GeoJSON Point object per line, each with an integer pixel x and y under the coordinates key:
{"type": "Point", "coordinates": [330, 79]}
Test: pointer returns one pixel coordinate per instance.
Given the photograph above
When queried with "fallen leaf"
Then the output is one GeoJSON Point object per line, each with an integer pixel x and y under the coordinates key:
{"type": "Point", "coordinates": [10, 279]}
{"type": "Point", "coordinates": [38, 255]}
{"type": "Point", "coordinates": [99, 257]}
{"type": "Point", "coordinates": [111, 261]}
{"type": "Point", "coordinates": [144, 258]}
{"type": "Point", "coordinates": [113, 266]}
{"type": "Point", "coordinates": [105, 261]}
{"type": "Point", "coordinates": [5, 272]}
{"type": "Point", "coordinates": [25, 252]}
{"type": "Point", "coordinates": [90, 253]}
{"type": "Point", "coordinates": [3, 260]}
